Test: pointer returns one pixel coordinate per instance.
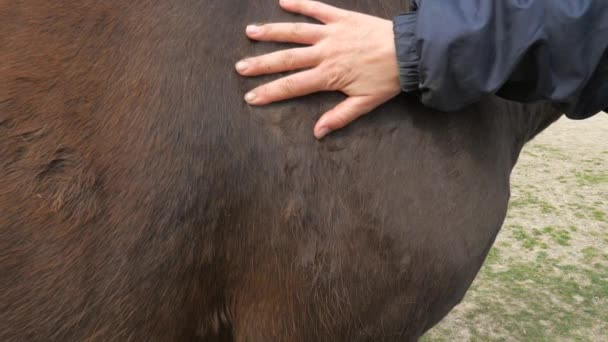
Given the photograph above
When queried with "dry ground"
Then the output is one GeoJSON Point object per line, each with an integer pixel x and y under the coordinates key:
{"type": "Point", "coordinates": [546, 279]}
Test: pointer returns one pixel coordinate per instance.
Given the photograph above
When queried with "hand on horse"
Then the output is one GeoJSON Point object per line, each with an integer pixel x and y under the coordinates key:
{"type": "Point", "coordinates": [350, 52]}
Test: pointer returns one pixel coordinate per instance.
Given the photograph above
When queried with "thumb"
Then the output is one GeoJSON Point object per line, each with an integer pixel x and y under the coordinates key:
{"type": "Point", "coordinates": [344, 113]}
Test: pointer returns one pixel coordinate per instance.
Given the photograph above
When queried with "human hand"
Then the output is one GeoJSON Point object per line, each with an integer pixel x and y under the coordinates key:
{"type": "Point", "coordinates": [350, 52]}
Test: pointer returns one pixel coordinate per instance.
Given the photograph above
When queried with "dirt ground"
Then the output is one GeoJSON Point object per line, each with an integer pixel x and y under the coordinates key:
{"type": "Point", "coordinates": [546, 279]}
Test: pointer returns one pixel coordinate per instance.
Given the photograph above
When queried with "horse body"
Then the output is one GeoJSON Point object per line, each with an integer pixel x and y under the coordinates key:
{"type": "Point", "coordinates": [143, 199]}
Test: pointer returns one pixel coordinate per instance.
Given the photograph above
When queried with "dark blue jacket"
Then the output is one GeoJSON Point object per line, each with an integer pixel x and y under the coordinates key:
{"type": "Point", "coordinates": [454, 52]}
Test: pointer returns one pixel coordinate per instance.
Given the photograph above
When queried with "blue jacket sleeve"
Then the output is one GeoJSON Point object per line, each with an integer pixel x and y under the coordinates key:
{"type": "Point", "coordinates": [454, 52]}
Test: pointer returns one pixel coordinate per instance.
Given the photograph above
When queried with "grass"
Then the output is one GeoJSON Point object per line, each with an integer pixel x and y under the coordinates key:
{"type": "Point", "coordinates": [589, 211]}
{"type": "Point", "coordinates": [590, 253]}
{"type": "Point", "coordinates": [560, 236]}
{"type": "Point", "coordinates": [527, 240]}
{"type": "Point", "coordinates": [528, 199]}
{"type": "Point", "coordinates": [588, 177]}
{"type": "Point", "coordinates": [598, 215]}
{"type": "Point", "coordinates": [531, 238]}
{"type": "Point", "coordinates": [547, 150]}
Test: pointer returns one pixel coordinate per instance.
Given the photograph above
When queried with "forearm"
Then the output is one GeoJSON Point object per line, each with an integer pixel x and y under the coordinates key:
{"type": "Point", "coordinates": [457, 51]}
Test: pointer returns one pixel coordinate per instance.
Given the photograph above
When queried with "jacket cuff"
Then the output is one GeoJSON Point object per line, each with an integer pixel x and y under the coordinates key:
{"type": "Point", "coordinates": [408, 60]}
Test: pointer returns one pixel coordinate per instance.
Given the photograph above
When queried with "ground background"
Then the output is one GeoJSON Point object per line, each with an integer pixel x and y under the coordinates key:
{"type": "Point", "coordinates": [546, 279]}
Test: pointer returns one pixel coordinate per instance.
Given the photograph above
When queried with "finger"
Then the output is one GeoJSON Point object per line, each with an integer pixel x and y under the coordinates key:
{"type": "Point", "coordinates": [299, 33]}
{"type": "Point", "coordinates": [318, 10]}
{"type": "Point", "coordinates": [344, 113]}
{"type": "Point", "coordinates": [279, 61]}
{"type": "Point", "coordinates": [300, 84]}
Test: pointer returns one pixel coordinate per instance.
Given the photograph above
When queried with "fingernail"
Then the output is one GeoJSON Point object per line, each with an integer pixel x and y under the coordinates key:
{"type": "Point", "coordinates": [241, 66]}
{"type": "Point", "coordinates": [249, 97]}
{"type": "Point", "coordinates": [322, 132]}
{"type": "Point", "coordinates": [254, 29]}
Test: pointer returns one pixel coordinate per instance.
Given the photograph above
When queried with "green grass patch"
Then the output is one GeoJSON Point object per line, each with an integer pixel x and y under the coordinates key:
{"type": "Point", "coordinates": [590, 253]}
{"type": "Point", "coordinates": [527, 240]}
{"type": "Point", "coordinates": [493, 256]}
{"type": "Point", "coordinates": [589, 177]}
{"type": "Point", "coordinates": [560, 236]}
{"type": "Point", "coordinates": [505, 244]}
{"type": "Point", "coordinates": [528, 199]}
{"type": "Point", "coordinates": [586, 211]}
{"type": "Point", "coordinates": [598, 215]}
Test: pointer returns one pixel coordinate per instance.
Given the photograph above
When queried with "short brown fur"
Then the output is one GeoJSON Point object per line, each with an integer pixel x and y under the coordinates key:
{"type": "Point", "coordinates": [141, 199]}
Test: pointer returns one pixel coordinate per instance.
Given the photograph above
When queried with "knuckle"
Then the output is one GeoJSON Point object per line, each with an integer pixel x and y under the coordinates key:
{"type": "Point", "coordinates": [296, 30]}
{"type": "Point", "coordinates": [336, 74]}
{"type": "Point", "coordinates": [338, 120]}
{"type": "Point", "coordinates": [333, 81]}
{"type": "Point", "coordinates": [288, 60]}
{"type": "Point", "coordinates": [288, 87]}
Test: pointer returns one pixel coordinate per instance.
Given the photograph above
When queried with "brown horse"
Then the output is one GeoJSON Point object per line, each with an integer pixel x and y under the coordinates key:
{"type": "Point", "coordinates": [142, 199]}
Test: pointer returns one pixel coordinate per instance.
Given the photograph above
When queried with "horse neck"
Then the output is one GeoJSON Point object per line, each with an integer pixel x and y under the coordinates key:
{"type": "Point", "coordinates": [535, 119]}
{"type": "Point", "coordinates": [520, 123]}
